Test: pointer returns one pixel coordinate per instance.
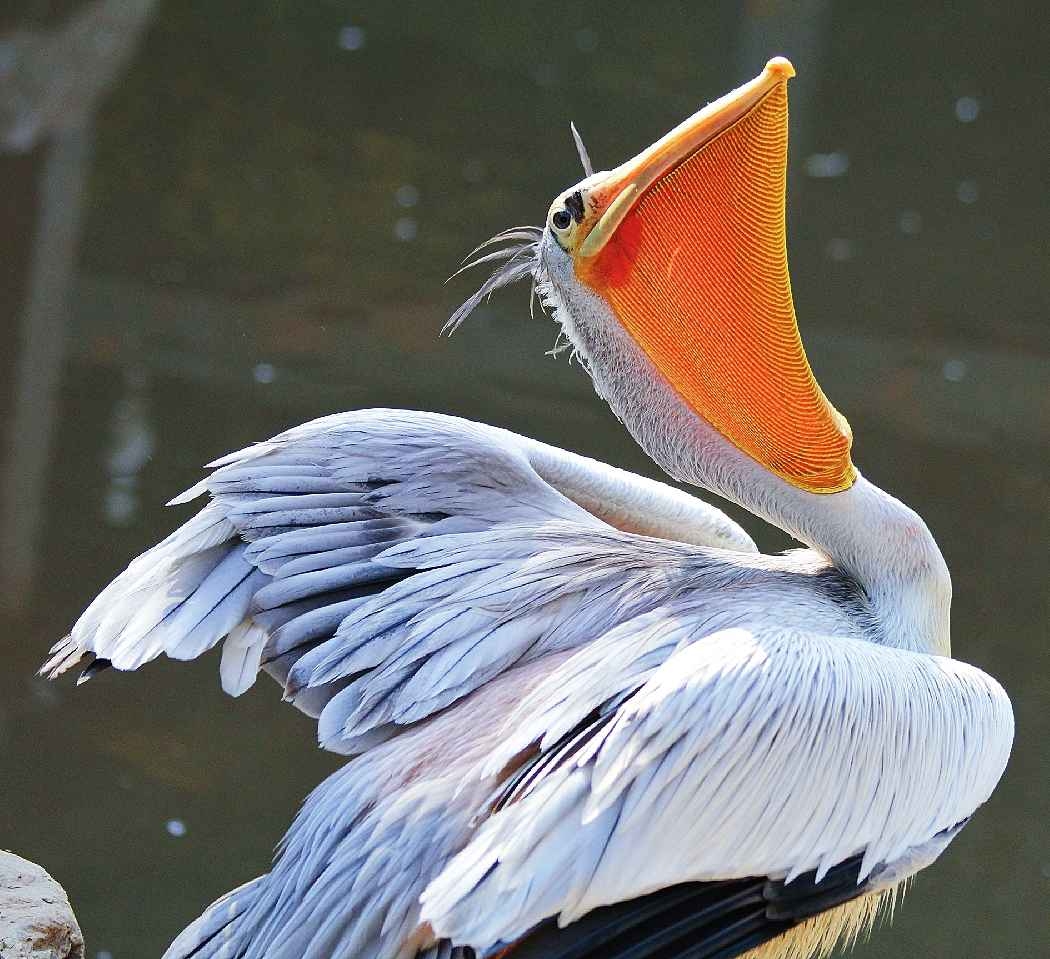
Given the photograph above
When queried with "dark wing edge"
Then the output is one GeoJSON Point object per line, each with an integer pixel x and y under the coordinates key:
{"type": "Point", "coordinates": [699, 920]}
{"type": "Point", "coordinates": [714, 920]}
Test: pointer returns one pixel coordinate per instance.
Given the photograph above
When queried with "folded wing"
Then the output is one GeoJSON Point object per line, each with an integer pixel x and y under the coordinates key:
{"type": "Point", "coordinates": [662, 758]}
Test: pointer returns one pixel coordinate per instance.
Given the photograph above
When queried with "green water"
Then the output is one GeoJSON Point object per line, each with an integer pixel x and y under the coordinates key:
{"type": "Point", "coordinates": [259, 214]}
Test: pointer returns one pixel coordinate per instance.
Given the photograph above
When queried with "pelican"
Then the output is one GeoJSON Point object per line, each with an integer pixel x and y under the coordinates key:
{"type": "Point", "coordinates": [588, 718]}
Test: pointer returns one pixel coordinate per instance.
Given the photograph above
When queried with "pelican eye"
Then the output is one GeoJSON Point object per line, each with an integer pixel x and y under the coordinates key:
{"type": "Point", "coordinates": [562, 219]}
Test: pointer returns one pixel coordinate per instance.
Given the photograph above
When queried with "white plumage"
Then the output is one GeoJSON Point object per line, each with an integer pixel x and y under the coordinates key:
{"type": "Point", "coordinates": [567, 687]}
{"type": "Point", "coordinates": [707, 673]}
{"type": "Point", "coordinates": [704, 743]}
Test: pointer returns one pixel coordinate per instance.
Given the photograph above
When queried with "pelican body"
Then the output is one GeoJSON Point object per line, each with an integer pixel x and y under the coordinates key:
{"type": "Point", "coordinates": [588, 718]}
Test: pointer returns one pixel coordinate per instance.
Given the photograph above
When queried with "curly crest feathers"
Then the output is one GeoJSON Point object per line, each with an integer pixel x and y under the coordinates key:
{"type": "Point", "coordinates": [518, 258]}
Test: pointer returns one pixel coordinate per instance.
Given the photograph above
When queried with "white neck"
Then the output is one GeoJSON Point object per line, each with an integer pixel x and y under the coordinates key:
{"type": "Point", "coordinates": [866, 533]}
{"type": "Point", "coordinates": [874, 538]}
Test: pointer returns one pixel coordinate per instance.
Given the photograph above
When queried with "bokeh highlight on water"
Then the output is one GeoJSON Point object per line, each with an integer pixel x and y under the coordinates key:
{"type": "Point", "coordinates": [220, 220]}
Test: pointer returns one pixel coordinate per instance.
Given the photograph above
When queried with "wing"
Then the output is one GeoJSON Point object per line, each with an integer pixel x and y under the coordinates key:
{"type": "Point", "coordinates": [718, 920]}
{"type": "Point", "coordinates": [663, 758]}
{"type": "Point", "coordinates": [385, 563]}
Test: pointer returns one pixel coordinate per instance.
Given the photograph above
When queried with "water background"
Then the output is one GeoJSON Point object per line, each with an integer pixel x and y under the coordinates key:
{"type": "Point", "coordinates": [218, 220]}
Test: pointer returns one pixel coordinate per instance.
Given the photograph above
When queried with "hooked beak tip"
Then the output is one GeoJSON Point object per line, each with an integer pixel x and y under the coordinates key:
{"type": "Point", "coordinates": [633, 178]}
{"type": "Point", "coordinates": [781, 68]}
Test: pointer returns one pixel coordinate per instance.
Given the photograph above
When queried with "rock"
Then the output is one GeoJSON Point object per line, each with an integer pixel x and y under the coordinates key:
{"type": "Point", "coordinates": [36, 920]}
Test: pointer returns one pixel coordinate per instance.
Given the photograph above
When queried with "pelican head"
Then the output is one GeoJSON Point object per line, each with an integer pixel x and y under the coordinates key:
{"type": "Point", "coordinates": [670, 271]}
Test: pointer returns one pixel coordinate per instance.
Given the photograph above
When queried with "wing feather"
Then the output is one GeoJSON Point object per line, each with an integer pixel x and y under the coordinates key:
{"type": "Point", "coordinates": [740, 753]}
{"type": "Point", "coordinates": [383, 564]}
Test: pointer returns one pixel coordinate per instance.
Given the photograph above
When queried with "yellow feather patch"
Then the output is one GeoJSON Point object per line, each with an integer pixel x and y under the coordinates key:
{"type": "Point", "coordinates": [842, 926]}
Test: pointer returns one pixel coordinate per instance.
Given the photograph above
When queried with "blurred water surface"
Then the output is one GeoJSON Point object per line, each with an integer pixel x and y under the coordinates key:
{"type": "Point", "coordinates": [221, 219]}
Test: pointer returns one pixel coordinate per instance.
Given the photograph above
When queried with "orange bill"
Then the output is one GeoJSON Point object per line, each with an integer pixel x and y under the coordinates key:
{"type": "Point", "coordinates": [689, 250]}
